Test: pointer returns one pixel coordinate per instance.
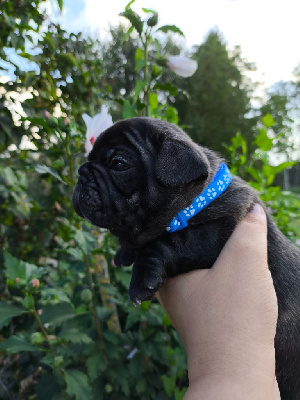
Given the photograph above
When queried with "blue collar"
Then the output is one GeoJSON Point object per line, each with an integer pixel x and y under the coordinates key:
{"type": "Point", "coordinates": [219, 184]}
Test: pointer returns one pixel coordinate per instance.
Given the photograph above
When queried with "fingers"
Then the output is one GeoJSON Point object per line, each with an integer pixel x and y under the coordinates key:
{"type": "Point", "coordinates": [247, 244]}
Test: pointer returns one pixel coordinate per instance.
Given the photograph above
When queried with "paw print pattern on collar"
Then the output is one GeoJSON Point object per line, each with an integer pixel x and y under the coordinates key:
{"type": "Point", "coordinates": [219, 184]}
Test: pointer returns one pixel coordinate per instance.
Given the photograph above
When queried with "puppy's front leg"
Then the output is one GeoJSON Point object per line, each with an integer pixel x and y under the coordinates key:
{"type": "Point", "coordinates": [148, 274]}
{"type": "Point", "coordinates": [125, 256]}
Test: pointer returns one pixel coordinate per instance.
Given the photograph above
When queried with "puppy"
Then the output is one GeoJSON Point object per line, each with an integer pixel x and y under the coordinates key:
{"type": "Point", "coordinates": [143, 172]}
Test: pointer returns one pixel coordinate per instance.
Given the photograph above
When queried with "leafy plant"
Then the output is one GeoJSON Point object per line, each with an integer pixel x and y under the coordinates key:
{"type": "Point", "coordinates": [68, 328]}
{"type": "Point", "coordinates": [260, 173]}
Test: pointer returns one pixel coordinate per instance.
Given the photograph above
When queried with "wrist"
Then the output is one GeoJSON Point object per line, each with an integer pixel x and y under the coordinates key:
{"type": "Point", "coordinates": [248, 387]}
{"type": "Point", "coordinates": [245, 362]}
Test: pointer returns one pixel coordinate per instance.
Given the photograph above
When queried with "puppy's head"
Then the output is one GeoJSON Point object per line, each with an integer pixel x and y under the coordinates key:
{"type": "Point", "coordinates": [140, 173]}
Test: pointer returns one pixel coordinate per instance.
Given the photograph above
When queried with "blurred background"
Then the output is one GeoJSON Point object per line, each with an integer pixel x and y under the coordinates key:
{"type": "Point", "coordinates": [68, 329]}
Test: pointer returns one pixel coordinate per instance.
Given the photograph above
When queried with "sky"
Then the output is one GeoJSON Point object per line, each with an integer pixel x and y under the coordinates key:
{"type": "Point", "coordinates": [268, 31]}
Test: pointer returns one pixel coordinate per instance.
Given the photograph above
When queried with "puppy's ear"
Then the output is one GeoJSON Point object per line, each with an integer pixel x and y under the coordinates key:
{"type": "Point", "coordinates": [178, 164]}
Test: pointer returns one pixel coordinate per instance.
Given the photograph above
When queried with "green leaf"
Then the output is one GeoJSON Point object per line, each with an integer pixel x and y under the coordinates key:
{"type": "Point", "coordinates": [9, 311]}
{"type": "Point", "coordinates": [141, 386]}
{"type": "Point", "coordinates": [43, 169]}
{"type": "Point", "coordinates": [49, 42]}
{"type": "Point", "coordinates": [270, 171]}
{"type": "Point", "coordinates": [166, 320]}
{"type": "Point", "coordinates": [170, 28]}
{"type": "Point", "coordinates": [85, 240]}
{"type": "Point", "coordinates": [239, 141]}
{"type": "Point", "coordinates": [54, 295]}
{"type": "Point", "coordinates": [133, 317]}
{"type": "Point", "coordinates": [30, 77]}
{"type": "Point", "coordinates": [123, 381]}
{"type": "Point", "coordinates": [179, 394]}
{"type": "Point", "coordinates": [57, 314]}
{"type": "Point", "coordinates": [95, 365]}
{"type": "Point", "coordinates": [148, 10]}
{"type": "Point", "coordinates": [153, 101]}
{"type": "Point", "coordinates": [278, 168]}
{"type": "Point", "coordinates": [77, 384]}
{"type": "Point", "coordinates": [74, 335]}
{"type": "Point", "coordinates": [156, 71]}
{"type": "Point", "coordinates": [168, 87]}
{"type": "Point", "coordinates": [139, 86]}
{"type": "Point", "coordinates": [127, 34]}
{"type": "Point", "coordinates": [60, 4]}
{"type": "Point", "coordinates": [15, 344]}
{"type": "Point", "coordinates": [75, 252]}
{"type": "Point", "coordinates": [134, 19]}
{"type": "Point", "coordinates": [123, 277]}
{"type": "Point", "coordinates": [169, 384]}
{"type": "Point", "coordinates": [268, 121]}
{"type": "Point", "coordinates": [129, 5]}
{"type": "Point", "coordinates": [15, 268]}
{"type": "Point", "coordinates": [140, 62]}
{"type": "Point", "coordinates": [111, 337]}
{"type": "Point", "coordinates": [171, 115]}
{"type": "Point", "coordinates": [47, 387]}
{"type": "Point", "coordinates": [263, 141]}
{"type": "Point", "coordinates": [254, 173]}
{"type": "Point", "coordinates": [68, 59]}
{"type": "Point", "coordinates": [9, 176]}
{"type": "Point", "coordinates": [128, 110]}
{"type": "Point", "coordinates": [104, 313]}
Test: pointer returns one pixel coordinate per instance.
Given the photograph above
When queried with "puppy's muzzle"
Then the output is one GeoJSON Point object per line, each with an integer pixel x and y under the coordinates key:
{"type": "Point", "coordinates": [86, 196]}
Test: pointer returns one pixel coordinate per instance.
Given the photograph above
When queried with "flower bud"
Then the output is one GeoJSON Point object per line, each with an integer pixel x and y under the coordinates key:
{"type": "Point", "coordinates": [35, 282]}
{"type": "Point", "coordinates": [47, 115]}
{"type": "Point", "coordinates": [152, 21]}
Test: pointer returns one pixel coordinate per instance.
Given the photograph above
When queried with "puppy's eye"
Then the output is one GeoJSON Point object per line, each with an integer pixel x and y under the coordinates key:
{"type": "Point", "coordinates": [118, 164]}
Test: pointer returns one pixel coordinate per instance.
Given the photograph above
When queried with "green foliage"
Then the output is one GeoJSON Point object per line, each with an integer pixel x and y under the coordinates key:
{"type": "Point", "coordinates": [68, 329]}
{"type": "Point", "coordinates": [55, 304]}
{"type": "Point", "coordinates": [260, 173]}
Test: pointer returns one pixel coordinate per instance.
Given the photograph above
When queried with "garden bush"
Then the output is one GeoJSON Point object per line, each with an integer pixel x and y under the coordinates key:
{"type": "Point", "coordinates": [68, 328]}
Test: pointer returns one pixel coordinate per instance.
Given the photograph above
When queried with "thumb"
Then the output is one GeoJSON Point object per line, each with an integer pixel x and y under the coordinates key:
{"type": "Point", "coordinates": [248, 241]}
{"type": "Point", "coordinates": [257, 216]}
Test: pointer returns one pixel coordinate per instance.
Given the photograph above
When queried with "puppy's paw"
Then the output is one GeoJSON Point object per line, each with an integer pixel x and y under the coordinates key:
{"type": "Point", "coordinates": [153, 282]}
{"type": "Point", "coordinates": [146, 289]}
{"type": "Point", "coordinates": [140, 294]}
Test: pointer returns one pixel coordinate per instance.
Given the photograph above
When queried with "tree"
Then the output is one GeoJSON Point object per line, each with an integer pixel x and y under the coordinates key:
{"type": "Point", "coordinates": [218, 95]}
{"type": "Point", "coordinates": [282, 104]}
{"type": "Point", "coordinates": [20, 24]}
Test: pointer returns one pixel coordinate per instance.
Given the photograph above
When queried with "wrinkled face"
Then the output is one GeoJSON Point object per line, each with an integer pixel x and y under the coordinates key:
{"type": "Point", "coordinates": [128, 184]}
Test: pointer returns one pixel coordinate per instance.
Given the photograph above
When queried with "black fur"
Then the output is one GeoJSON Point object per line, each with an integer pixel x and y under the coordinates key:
{"type": "Point", "coordinates": [140, 174]}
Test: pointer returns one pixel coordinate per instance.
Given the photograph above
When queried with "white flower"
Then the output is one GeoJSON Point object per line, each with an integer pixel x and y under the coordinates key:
{"type": "Point", "coordinates": [95, 126]}
{"type": "Point", "coordinates": [182, 66]}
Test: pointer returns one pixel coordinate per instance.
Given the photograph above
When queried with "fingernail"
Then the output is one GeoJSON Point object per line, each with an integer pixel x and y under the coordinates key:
{"type": "Point", "coordinates": [257, 209]}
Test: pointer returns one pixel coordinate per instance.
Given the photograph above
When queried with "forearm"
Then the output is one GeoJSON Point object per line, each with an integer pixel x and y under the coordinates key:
{"type": "Point", "coordinates": [219, 388]}
{"type": "Point", "coordinates": [241, 374]}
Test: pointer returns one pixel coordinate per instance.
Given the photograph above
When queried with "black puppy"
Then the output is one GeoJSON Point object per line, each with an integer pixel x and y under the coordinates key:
{"type": "Point", "coordinates": [140, 174]}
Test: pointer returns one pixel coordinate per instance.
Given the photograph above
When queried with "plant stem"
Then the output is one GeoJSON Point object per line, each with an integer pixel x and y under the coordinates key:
{"type": "Point", "coordinates": [94, 308]}
{"type": "Point", "coordinates": [146, 97]}
{"type": "Point", "coordinates": [39, 322]}
{"type": "Point", "coordinates": [71, 169]}
{"type": "Point", "coordinates": [44, 333]}
{"type": "Point", "coordinates": [70, 161]}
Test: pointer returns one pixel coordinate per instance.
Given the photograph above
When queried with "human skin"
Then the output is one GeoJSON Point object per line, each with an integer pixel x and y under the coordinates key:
{"type": "Point", "coordinates": [226, 317]}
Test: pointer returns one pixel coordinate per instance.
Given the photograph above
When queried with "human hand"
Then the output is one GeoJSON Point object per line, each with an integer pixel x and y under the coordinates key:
{"type": "Point", "coordinates": [226, 317]}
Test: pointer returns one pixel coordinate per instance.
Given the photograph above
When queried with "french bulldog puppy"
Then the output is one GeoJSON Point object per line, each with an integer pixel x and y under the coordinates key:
{"type": "Point", "coordinates": [140, 174]}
